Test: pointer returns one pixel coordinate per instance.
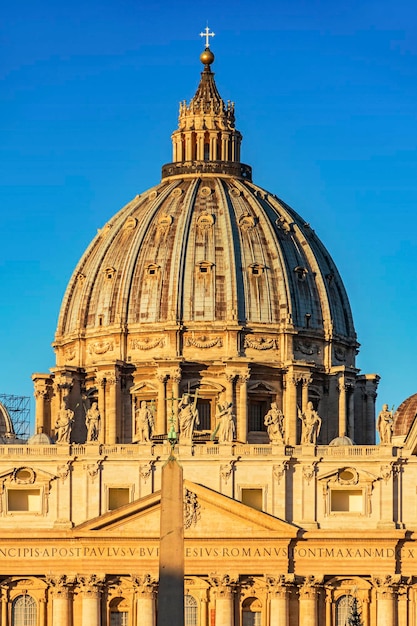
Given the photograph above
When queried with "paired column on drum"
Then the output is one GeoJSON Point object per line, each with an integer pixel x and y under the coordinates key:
{"type": "Point", "coordinates": [161, 417]}
{"type": "Point", "coordinates": [242, 414]}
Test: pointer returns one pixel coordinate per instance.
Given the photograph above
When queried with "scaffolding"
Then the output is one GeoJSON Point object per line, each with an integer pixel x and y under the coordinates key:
{"type": "Point", "coordinates": [18, 408]}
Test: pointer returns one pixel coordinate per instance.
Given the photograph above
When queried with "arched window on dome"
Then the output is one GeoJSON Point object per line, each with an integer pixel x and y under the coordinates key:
{"type": "Point", "coordinates": [251, 612]}
{"type": "Point", "coordinates": [24, 611]}
{"type": "Point", "coordinates": [190, 611]}
{"type": "Point", "coordinates": [343, 610]}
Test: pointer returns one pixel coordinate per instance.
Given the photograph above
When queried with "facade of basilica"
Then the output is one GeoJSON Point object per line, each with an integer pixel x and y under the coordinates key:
{"type": "Point", "coordinates": [208, 315]}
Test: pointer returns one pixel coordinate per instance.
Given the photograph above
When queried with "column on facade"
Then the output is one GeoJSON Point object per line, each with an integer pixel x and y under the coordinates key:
{"type": "Point", "coordinates": [4, 602]}
{"type": "Point", "coordinates": [91, 597]}
{"type": "Point", "coordinates": [328, 618]}
{"type": "Point", "coordinates": [176, 379]}
{"type": "Point", "coordinates": [290, 411]}
{"type": "Point", "coordinates": [386, 486]}
{"type": "Point", "coordinates": [342, 407]}
{"type": "Point", "coordinates": [229, 386]}
{"type": "Point", "coordinates": [402, 605]}
{"type": "Point", "coordinates": [204, 612]}
{"type": "Point", "coordinates": [145, 601]}
{"type": "Point", "coordinates": [161, 425]}
{"type": "Point", "coordinates": [308, 602]}
{"type": "Point", "coordinates": [279, 600]}
{"type": "Point", "coordinates": [242, 415]}
{"type": "Point", "coordinates": [224, 605]}
{"type": "Point", "coordinates": [306, 381]}
{"type": "Point", "coordinates": [385, 602]}
{"type": "Point", "coordinates": [61, 606]}
{"type": "Point", "coordinates": [42, 612]}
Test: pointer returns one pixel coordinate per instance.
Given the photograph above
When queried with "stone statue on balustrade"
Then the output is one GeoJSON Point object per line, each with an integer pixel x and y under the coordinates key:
{"type": "Point", "coordinates": [385, 425]}
{"type": "Point", "coordinates": [274, 422]}
{"type": "Point", "coordinates": [187, 418]}
{"type": "Point", "coordinates": [225, 428]}
{"type": "Point", "coordinates": [144, 423]}
{"type": "Point", "coordinates": [92, 421]}
{"type": "Point", "coordinates": [311, 424]}
{"type": "Point", "coordinates": [63, 424]}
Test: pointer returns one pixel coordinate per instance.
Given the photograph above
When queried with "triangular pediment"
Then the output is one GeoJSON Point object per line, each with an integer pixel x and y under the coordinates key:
{"type": "Point", "coordinates": [211, 515]}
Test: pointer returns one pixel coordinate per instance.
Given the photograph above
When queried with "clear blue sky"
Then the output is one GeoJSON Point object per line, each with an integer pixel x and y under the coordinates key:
{"type": "Point", "coordinates": [325, 96]}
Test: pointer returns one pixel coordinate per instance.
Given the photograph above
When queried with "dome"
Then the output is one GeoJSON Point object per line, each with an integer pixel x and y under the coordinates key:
{"type": "Point", "coordinates": [40, 439]}
{"type": "Point", "coordinates": [207, 283]}
{"type": "Point", "coordinates": [341, 441]}
{"type": "Point", "coordinates": [404, 416]}
{"type": "Point", "coordinates": [206, 248]}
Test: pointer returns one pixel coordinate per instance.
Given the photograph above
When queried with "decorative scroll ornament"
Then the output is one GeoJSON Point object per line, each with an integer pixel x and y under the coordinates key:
{"type": "Point", "coordinates": [24, 476]}
{"type": "Point", "coordinates": [63, 471]}
{"type": "Point", "coordinates": [260, 344]}
{"type": "Point", "coordinates": [247, 222]}
{"type": "Point", "coordinates": [100, 347]}
{"type": "Point", "coordinates": [93, 469]}
{"type": "Point", "coordinates": [306, 347]}
{"type": "Point", "coordinates": [205, 222]}
{"type": "Point", "coordinates": [145, 471]}
{"type": "Point", "coordinates": [309, 471]}
{"type": "Point", "coordinates": [226, 470]}
{"type": "Point", "coordinates": [69, 354]}
{"type": "Point", "coordinates": [147, 344]}
{"type": "Point", "coordinates": [282, 223]}
{"type": "Point", "coordinates": [153, 194]}
{"type": "Point", "coordinates": [235, 192]}
{"type": "Point", "coordinates": [205, 192]}
{"type": "Point", "coordinates": [130, 223]}
{"type": "Point", "coordinates": [191, 509]}
{"type": "Point", "coordinates": [176, 193]}
{"type": "Point", "coordinates": [278, 471]}
{"type": "Point", "coordinates": [204, 342]}
{"type": "Point", "coordinates": [340, 353]}
{"type": "Point", "coordinates": [385, 472]}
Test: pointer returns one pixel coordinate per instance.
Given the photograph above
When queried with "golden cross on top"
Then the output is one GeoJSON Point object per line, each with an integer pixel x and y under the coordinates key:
{"type": "Point", "coordinates": [207, 34]}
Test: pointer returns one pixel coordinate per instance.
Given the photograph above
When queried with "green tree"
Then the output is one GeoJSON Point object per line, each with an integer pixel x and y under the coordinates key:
{"type": "Point", "coordinates": [355, 618]}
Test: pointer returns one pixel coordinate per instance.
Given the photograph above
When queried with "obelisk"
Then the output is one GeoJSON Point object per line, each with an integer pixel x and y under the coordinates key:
{"type": "Point", "coordinates": [171, 547]}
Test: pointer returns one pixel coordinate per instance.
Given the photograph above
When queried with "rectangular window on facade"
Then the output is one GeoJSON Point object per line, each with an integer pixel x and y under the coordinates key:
{"type": "Point", "coordinates": [24, 500]}
{"type": "Point", "coordinates": [257, 411]}
{"type": "Point", "coordinates": [253, 498]}
{"type": "Point", "coordinates": [118, 496]}
{"type": "Point", "coordinates": [346, 501]}
{"type": "Point", "coordinates": [204, 414]}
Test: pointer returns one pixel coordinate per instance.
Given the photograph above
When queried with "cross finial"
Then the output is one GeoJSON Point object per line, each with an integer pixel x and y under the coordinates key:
{"type": "Point", "coordinates": [207, 34]}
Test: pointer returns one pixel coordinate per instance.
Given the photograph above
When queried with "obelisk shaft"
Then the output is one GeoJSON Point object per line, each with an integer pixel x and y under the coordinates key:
{"type": "Point", "coordinates": [171, 550]}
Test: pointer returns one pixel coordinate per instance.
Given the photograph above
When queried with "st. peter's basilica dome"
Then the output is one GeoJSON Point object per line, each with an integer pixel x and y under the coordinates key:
{"type": "Point", "coordinates": [208, 282]}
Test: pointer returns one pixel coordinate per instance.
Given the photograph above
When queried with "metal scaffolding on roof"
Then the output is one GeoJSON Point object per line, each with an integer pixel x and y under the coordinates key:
{"type": "Point", "coordinates": [18, 408]}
